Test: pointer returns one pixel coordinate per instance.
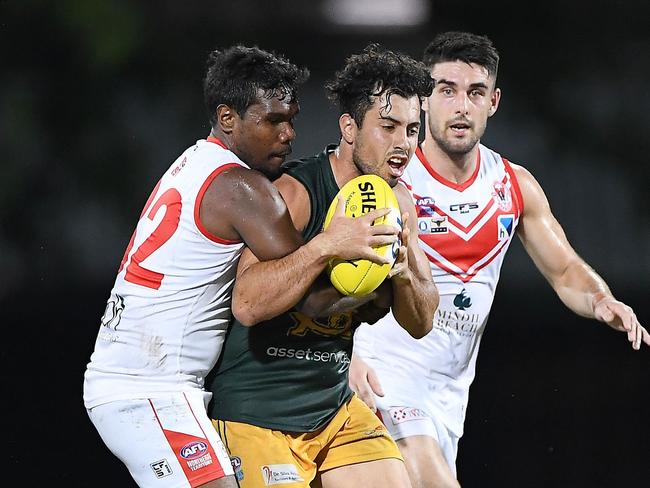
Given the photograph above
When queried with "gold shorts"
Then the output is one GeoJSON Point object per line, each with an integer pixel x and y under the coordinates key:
{"type": "Point", "coordinates": [263, 457]}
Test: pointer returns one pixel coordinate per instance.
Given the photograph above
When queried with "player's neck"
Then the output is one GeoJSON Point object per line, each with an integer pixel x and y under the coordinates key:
{"type": "Point", "coordinates": [342, 164]}
{"type": "Point", "coordinates": [457, 168]}
{"type": "Point", "coordinates": [223, 138]}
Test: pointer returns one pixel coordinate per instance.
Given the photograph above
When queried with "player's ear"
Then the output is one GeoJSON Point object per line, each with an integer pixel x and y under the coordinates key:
{"type": "Point", "coordinates": [226, 118]}
{"type": "Point", "coordinates": [494, 101]}
{"type": "Point", "coordinates": [348, 128]}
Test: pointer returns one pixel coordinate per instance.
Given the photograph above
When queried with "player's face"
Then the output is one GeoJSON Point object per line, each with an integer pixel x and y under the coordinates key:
{"type": "Point", "coordinates": [463, 98]}
{"type": "Point", "coordinates": [263, 135]}
{"type": "Point", "coordinates": [387, 139]}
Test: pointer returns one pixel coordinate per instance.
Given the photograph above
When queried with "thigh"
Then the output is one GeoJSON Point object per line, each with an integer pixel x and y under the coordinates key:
{"type": "Point", "coordinates": [263, 457]}
{"type": "Point", "coordinates": [165, 441]}
{"type": "Point", "coordinates": [356, 447]}
{"type": "Point", "coordinates": [383, 473]}
{"type": "Point", "coordinates": [429, 449]}
{"type": "Point", "coordinates": [426, 463]}
{"type": "Point", "coordinates": [405, 422]}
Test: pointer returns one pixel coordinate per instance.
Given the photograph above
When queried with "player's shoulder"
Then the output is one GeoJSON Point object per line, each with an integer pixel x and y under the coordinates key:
{"type": "Point", "coordinates": [517, 168]}
{"type": "Point", "coordinates": [307, 176]}
{"type": "Point", "coordinates": [241, 183]}
{"type": "Point", "coordinates": [302, 167]}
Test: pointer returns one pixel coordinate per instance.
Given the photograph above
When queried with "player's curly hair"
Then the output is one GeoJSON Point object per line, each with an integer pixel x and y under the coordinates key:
{"type": "Point", "coordinates": [465, 47]}
{"type": "Point", "coordinates": [372, 73]}
{"type": "Point", "coordinates": [235, 74]}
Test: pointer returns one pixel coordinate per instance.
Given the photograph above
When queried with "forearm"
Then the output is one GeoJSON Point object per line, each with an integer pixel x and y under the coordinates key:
{"type": "Point", "coordinates": [415, 300]}
{"type": "Point", "coordinates": [580, 288]}
{"type": "Point", "coordinates": [267, 289]}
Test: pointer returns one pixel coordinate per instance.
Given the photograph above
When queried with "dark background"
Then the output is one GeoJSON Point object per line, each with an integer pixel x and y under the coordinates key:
{"type": "Point", "coordinates": [97, 98]}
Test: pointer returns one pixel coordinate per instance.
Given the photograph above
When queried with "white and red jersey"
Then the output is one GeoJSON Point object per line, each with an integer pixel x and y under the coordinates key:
{"type": "Point", "coordinates": [464, 230]}
{"type": "Point", "coordinates": [166, 318]}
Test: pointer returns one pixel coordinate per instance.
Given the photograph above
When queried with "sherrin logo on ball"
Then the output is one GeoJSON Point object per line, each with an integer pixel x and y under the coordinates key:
{"type": "Point", "coordinates": [362, 195]}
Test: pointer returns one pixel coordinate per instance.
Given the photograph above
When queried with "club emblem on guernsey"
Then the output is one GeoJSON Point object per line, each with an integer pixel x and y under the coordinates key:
{"type": "Point", "coordinates": [501, 196]}
{"type": "Point", "coordinates": [462, 301]}
{"type": "Point", "coordinates": [335, 325]}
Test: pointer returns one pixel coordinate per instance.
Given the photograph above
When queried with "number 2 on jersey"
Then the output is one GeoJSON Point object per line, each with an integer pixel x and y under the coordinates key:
{"type": "Point", "coordinates": [135, 272]}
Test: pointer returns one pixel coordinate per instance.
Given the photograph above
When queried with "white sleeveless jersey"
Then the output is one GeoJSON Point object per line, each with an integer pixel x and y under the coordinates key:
{"type": "Point", "coordinates": [465, 231]}
{"type": "Point", "coordinates": [165, 320]}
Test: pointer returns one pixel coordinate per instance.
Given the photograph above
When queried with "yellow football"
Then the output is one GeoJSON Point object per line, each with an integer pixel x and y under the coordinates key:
{"type": "Point", "coordinates": [363, 194]}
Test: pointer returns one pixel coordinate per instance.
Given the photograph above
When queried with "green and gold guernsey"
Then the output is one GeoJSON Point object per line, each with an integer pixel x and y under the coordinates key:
{"type": "Point", "coordinates": [289, 373]}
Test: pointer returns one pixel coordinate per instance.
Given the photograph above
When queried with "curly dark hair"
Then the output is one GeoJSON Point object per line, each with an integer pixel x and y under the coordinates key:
{"type": "Point", "coordinates": [235, 74]}
{"type": "Point", "coordinates": [372, 73]}
{"type": "Point", "coordinates": [465, 47]}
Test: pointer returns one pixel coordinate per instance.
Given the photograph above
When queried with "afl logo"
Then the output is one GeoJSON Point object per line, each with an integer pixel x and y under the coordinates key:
{"type": "Point", "coordinates": [425, 202]}
{"type": "Point", "coordinates": [193, 450]}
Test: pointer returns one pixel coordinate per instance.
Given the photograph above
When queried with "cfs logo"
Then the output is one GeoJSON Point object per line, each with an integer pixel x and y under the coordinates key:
{"type": "Point", "coordinates": [463, 207]}
{"type": "Point", "coordinates": [193, 449]}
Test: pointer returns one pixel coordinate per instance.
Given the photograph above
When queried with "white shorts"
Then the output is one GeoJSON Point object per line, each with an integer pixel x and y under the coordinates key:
{"type": "Point", "coordinates": [405, 421]}
{"type": "Point", "coordinates": [166, 441]}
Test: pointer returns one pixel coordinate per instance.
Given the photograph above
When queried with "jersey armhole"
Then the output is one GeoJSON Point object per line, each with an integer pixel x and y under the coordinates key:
{"type": "Point", "coordinates": [199, 199]}
{"type": "Point", "coordinates": [515, 185]}
{"type": "Point", "coordinates": [311, 199]}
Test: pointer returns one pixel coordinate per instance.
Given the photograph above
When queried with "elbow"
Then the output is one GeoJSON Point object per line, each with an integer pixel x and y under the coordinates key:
{"type": "Point", "coordinates": [418, 331]}
{"type": "Point", "coordinates": [245, 313]}
{"type": "Point", "coordinates": [417, 327]}
{"type": "Point", "coordinates": [245, 318]}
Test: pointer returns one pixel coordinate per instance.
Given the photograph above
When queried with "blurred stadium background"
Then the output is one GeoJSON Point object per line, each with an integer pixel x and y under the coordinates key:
{"type": "Point", "coordinates": [97, 98]}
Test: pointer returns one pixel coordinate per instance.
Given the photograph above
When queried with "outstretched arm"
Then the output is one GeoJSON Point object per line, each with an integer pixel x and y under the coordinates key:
{"type": "Point", "coordinates": [415, 296]}
{"type": "Point", "coordinates": [579, 287]}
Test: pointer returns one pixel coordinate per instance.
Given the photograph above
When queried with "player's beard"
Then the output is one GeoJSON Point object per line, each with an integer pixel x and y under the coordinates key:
{"type": "Point", "coordinates": [455, 148]}
{"type": "Point", "coordinates": [366, 168]}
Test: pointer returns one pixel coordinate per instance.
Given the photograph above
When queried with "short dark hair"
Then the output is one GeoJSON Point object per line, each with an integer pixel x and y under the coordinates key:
{"type": "Point", "coordinates": [465, 47]}
{"type": "Point", "coordinates": [373, 72]}
{"type": "Point", "coordinates": [235, 74]}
